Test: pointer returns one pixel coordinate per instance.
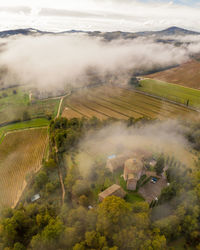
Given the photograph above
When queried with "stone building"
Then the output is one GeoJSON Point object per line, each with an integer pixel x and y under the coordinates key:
{"type": "Point", "coordinates": [112, 190]}
{"type": "Point", "coordinates": [133, 170]}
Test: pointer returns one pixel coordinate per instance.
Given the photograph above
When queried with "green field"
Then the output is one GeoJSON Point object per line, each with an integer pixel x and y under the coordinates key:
{"type": "Point", "coordinates": [15, 101]}
{"type": "Point", "coordinates": [41, 122]}
{"type": "Point", "coordinates": [171, 91]}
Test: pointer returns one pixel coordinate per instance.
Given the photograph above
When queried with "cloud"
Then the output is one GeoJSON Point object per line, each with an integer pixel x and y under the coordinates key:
{"type": "Point", "coordinates": [104, 15]}
{"type": "Point", "coordinates": [52, 62]}
{"type": "Point", "coordinates": [16, 9]}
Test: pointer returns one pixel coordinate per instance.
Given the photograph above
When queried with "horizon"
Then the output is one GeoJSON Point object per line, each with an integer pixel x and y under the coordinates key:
{"type": "Point", "coordinates": [105, 16]}
{"type": "Point", "coordinates": [71, 30]}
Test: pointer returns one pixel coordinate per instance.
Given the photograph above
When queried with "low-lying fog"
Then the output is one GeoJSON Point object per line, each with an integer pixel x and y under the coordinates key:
{"type": "Point", "coordinates": [53, 61]}
{"type": "Point", "coordinates": [161, 137]}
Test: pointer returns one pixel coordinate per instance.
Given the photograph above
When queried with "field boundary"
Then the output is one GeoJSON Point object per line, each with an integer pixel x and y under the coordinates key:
{"type": "Point", "coordinates": [161, 98]}
{"type": "Point", "coordinates": [178, 85]}
{"type": "Point", "coordinates": [18, 130]}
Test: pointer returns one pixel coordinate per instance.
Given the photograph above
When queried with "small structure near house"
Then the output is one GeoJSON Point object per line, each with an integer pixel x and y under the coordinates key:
{"type": "Point", "coordinates": [112, 156]}
{"type": "Point", "coordinates": [35, 197]}
{"type": "Point", "coordinates": [115, 162]}
{"type": "Point", "coordinates": [112, 190]}
{"type": "Point", "coordinates": [133, 170]}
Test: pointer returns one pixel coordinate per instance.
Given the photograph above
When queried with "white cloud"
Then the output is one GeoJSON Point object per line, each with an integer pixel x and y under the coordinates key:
{"type": "Point", "coordinates": [55, 61]}
{"type": "Point", "coordinates": [106, 15]}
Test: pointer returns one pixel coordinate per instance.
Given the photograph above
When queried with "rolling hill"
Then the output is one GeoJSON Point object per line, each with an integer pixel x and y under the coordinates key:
{"type": "Point", "coordinates": [171, 31]}
{"type": "Point", "coordinates": [187, 74]}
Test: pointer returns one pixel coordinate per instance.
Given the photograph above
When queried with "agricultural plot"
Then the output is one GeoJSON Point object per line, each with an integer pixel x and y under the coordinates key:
{"type": "Point", "coordinates": [171, 92]}
{"type": "Point", "coordinates": [70, 113]}
{"type": "Point", "coordinates": [20, 153]}
{"type": "Point", "coordinates": [35, 123]}
{"type": "Point", "coordinates": [187, 74]}
{"type": "Point", "coordinates": [120, 103]}
{"type": "Point", "coordinates": [15, 101]}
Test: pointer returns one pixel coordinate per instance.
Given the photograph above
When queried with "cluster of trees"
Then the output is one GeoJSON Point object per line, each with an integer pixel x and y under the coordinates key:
{"type": "Point", "coordinates": [182, 199]}
{"type": "Point", "coordinates": [114, 223]}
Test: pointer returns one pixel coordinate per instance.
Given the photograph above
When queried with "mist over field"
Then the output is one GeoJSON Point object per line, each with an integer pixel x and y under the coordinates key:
{"type": "Point", "coordinates": [161, 137]}
{"type": "Point", "coordinates": [55, 62]}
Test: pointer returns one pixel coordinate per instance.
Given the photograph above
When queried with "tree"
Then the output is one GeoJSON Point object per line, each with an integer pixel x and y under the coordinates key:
{"type": "Point", "coordinates": [140, 206]}
{"type": "Point", "coordinates": [72, 175]}
{"type": "Point", "coordinates": [168, 192]}
{"type": "Point", "coordinates": [130, 238]}
{"type": "Point", "coordinates": [160, 164]}
{"type": "Point", "coordinates": [94, 240]}
{"type": "Point", "coordinates": [169, 226]}
{"type": "Point", "coordinates": [81, 187]}
{"type": "Point", "coordinates": [113, 214]}
{"type": "Point", "coordinates": [5, 94]}
{"type": "Point", "coordinates": [26, 116]}
{"type": "Point", "coordinates": [134, 81]}
{"type": "Point", "coordinates": [19, 246]}
{"type": "Point", "coordinates": [69, 237]}
{"type": "Point", "coordinates": [52, 231]}
{"type": "Point", "coordinates": [41, 179]}
{"type": "Point", "coordinates": [50, 164]}
{"type": "Point", "coordinates": [83, 200]}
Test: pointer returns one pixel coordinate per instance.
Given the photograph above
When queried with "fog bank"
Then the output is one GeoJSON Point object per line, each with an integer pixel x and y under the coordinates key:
{"type": "Point", "coordinates": [54, 62]}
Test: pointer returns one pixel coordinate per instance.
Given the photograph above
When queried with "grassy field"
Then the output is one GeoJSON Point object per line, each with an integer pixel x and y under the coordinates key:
{"type": "Point", "coordinates": [15, 101]}
{"type": "Point", "coordinates": [111, 101]}
{"type": "Point", "coordinates": [41, 122]}
{"type": "Point", "coordinates": [187, 74]}
{"type": "Point", "coordinates": [20, 153]}
{"type": "Point", "coordinates": [171, 91]}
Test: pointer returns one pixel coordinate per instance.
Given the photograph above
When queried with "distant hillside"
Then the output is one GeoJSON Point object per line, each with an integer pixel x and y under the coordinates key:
{"type": "Point", "coordinates": [187, 74]}
{"type": "Point", "coordinates": [24, 32]}
{"type": "Point", "coordinates": [172, 31]}
{"type": "Point", "coordinates": [176, 31]}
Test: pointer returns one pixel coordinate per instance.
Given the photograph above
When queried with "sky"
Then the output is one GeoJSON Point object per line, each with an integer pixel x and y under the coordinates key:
{"type": "Point", "coordinates": [102, 15]}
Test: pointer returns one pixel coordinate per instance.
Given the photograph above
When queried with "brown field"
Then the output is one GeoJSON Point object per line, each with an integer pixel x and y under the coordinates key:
{"type": "Point", "coordinates": [70, 113]}
{"type": "Point", "coordinates": [187, 74]}
{"type": "Point", "coordinates": [20, 153]}
{"type": "Point", "coordinates": [120, 103]}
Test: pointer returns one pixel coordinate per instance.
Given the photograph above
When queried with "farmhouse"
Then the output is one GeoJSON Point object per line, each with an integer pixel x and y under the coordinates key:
{"type": "Point", "coordinates": [133, 170]}
{"type": "Point", "coordinates": [112, 190]}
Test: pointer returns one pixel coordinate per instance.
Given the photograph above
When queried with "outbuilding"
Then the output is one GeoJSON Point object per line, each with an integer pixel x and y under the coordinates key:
{"type": "Point", "coordinates": [112, 190]}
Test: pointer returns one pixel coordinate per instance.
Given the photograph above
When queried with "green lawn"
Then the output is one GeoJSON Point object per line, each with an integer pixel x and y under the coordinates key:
{"type": "Point", "coordinates": [8, 97]}
{"type": "Point", "coordinates": [171, 91]}
{"type": "Point", "coordinates": [131, 196]}
{"type": "Point", "coordinates": [41, 122]}
{"type": "Point", "coordinates": [15, 101]}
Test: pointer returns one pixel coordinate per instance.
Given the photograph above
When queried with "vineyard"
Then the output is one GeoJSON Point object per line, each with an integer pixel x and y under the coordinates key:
{"type": "Point", "coordinates": [120, 103]}
{"type": "Point", "coordinates": [20, 153]}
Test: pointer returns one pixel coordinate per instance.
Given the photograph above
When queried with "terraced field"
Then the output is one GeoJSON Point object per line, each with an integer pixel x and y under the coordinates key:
{"type": "Point", "coordinates": [120, 103]}
{"type": "Point", "coordinates": [20, 153]}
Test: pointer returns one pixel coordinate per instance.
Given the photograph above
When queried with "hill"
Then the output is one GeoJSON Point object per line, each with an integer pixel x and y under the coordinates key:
{"type": "Point", "coordinates": [171, 31]}
{"type": "Point", "coordinates": [187, 74]}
